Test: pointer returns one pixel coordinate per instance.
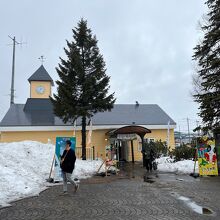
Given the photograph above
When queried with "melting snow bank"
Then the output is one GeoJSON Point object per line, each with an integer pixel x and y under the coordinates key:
{"type": "Point", "coordinates": [166, 164]}
{"type": "Point", "coordinates": [86, 168]}
{"type": "Point", "coordinates": [196, 208]}
{"type": "Point", "coordinates": [25, 166]}
{"type": "Point", "coordinates": [193, 206]}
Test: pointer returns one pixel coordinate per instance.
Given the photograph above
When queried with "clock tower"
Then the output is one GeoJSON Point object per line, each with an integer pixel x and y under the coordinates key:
{"type": "Point", "coordinates": [40, 84]}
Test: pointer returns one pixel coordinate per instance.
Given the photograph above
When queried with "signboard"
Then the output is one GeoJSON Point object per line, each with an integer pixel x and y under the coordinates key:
{"type": "Point", "coordinates": [217, 145]}
{"type": "Point", "coordinates": [60, 147]}
{"type": "Point", "coordinates": [207, 158]}
{"type": "Point", "coordinates": [126, 137]}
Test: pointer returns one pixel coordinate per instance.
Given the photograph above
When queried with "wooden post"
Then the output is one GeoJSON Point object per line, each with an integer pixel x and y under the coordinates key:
{"type": "Point", "coordinates": [104, 161]}
{"type": "Point", "coordinates": [93, 152]}
{"type": "Point", "coordinates": [142, 140]}
{"type": "Point", "coordinates": [132, 151]}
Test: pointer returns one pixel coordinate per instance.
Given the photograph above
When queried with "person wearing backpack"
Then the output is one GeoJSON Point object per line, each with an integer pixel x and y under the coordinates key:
{"type": "Point", "coordinates": [67, 165]}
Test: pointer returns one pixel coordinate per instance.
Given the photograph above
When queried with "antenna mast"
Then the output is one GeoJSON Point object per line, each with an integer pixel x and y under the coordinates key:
{"type": "Point", "coordinates": [13, 70]}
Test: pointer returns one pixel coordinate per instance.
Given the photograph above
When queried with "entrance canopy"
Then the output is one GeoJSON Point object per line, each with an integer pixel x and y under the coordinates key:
{"type": "Point", "coordinates": [131, 129]}
{"type": "Point", "coordinates": [129, 133]}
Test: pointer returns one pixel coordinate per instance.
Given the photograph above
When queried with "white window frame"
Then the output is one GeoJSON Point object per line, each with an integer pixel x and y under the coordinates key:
{"type": "Point", "coordinates": [151, 139]}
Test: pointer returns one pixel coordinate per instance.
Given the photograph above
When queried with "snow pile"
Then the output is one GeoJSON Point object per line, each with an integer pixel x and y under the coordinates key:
{"type": "Point", "coordinates": [23, 169]}
{"type": "Point", "coordinates": [87, 168]}
{"type": "Point", "coordinates": [25, 166]}
{"type": "Point", "coordinates": [166, 164]}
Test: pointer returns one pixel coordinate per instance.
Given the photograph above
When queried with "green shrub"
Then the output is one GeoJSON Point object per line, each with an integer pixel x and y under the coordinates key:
{"type": "Point", "coordinates": [183, 153]}
{"type": "Point", "coordinates": [159, 148]}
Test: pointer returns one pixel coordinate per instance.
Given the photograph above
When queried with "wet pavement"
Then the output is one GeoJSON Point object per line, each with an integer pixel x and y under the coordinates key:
{"type": "Point", "coordinates": [129, 195]}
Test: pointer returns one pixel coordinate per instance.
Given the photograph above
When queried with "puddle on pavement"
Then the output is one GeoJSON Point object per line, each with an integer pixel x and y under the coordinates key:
{"type": "Point", "coordinates": [149, 179]}
{"type": "Point", "coordinates": [195, 207]}
{"type": "Point", "coordinates": [207, 211]}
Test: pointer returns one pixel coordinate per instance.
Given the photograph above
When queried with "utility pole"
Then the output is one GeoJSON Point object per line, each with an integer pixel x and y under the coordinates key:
{"type": "Point", "coordinates": [13, 70]}
{"type": "Point", "coordinates": [168, 135]}
{"type": "Point", "coordinates": [188, 129]}
{"type": "Point", "coordinates": [180, 136]}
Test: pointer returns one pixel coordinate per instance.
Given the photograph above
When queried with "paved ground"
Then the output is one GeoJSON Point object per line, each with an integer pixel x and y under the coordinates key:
{"type": "Point", "coordinates": [126, 196]}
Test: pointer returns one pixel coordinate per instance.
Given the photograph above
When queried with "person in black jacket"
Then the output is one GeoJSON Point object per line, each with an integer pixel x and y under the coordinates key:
{"type": "Point", "coordinates": [67, 165]}
{"type": "Point", "coordinates": [149, 157]}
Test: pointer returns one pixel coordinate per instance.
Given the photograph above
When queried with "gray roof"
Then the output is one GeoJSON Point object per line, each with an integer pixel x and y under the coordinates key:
{"type": "Point", "coordinates": [39, 112]}
{"type": "Point", "coordinates": [124, 114]}
{"type": "Point", "coordinates": [41, 75]}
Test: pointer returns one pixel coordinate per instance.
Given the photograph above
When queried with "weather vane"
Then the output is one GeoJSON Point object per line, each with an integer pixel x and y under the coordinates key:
{"type": "Point", "coordinates": [42, 59]}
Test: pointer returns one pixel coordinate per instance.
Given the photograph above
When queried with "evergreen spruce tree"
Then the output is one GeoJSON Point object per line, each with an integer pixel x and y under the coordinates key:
{"type": "Point", "coordinates": [83, 86]}
{"type": "Point", "coordinates": [207, 55]}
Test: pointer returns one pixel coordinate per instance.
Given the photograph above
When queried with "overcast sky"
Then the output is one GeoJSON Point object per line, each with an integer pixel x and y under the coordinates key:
{"type": "Point", "coordinates": [147, 46]}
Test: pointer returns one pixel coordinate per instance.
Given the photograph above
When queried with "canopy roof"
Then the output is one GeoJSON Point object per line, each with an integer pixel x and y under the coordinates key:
{"type": "Point", "coordinates": [131, 129]}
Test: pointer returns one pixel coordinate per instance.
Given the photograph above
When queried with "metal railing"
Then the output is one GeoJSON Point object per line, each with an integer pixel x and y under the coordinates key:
{"type": "Point", "coordinates": [90, 153]}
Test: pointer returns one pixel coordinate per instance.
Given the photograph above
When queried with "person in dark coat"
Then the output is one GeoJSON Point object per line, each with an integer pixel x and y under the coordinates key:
{"type": "Point", "coordinates": [67, 165]}
{"type": "Point", "coordinates": [149, 157]}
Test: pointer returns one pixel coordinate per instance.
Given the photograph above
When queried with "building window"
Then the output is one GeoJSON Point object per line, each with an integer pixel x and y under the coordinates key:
{"type": "Point", "coordinates": [151, 140]}
{"type": "Point", "coordinates": [148, 140]}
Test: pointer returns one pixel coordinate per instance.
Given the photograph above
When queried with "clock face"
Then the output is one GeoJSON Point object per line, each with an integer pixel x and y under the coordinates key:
{"type": "Point", "coordinates": [40, 89]}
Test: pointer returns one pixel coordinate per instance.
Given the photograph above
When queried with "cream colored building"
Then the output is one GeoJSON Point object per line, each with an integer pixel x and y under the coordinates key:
{"type": "Point", "coordinates": [36, 121]}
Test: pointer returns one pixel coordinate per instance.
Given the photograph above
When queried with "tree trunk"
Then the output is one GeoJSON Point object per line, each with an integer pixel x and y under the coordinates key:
{"type": "Point", "coordinates": [84, 138]}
